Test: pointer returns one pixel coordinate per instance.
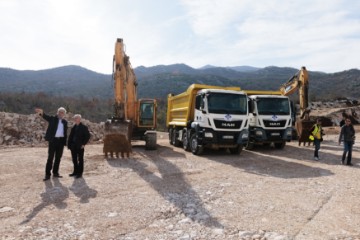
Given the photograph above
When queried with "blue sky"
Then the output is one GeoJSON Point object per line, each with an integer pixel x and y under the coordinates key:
{"type": "Point", "coordinates": [41, 34]}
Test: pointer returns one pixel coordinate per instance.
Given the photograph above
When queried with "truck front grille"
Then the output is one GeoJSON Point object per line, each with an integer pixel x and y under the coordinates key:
{"type": "Point", "coordinates": [269, 123]}
{"type": "Point", "coordinates": [227, 124]}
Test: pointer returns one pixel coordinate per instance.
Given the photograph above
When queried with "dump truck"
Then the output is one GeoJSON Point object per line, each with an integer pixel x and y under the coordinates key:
{"type": "Point", "coordinates": [273, 116]}
{"type": "Point", "coordinates": [133, 118]}
{"type": "Point", "coordinates": [270, 116]}
{"type": "Point", "coordinates": [207, 116]}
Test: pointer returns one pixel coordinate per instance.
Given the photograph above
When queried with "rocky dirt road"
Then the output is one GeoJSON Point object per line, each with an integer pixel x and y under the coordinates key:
{"type": "Point", "coordinates": [172, 194]}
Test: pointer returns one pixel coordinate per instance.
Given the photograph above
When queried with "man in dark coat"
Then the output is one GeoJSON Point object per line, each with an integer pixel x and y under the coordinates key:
{"type": "Point", "coordinates": [56, 135]}
{"type": "Point", "coordinates": [347, 135]}
{"type": "Point", "coordinates": [78, 138]}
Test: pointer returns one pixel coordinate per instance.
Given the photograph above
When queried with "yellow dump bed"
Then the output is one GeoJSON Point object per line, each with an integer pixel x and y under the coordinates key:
{"type": "Point", "coordinates": [180, 108]}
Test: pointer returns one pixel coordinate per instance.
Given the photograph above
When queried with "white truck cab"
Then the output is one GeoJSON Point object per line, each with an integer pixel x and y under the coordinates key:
{"type": "Point", "coordinates": [208, 117]}
{"type": "Point", "coordinates": [270, 120]}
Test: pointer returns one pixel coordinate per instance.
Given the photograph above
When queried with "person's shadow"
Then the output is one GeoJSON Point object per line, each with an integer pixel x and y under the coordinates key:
{"type": "Point", "coordinates": [80, 188]}
{"type": "Point", "coordinates": [55, 193]}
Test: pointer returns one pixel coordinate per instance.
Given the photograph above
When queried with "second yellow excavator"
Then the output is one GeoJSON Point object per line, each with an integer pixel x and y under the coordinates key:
{"type": "Point", "coordinates": [300, 82]}
{"type": "Point", "coordinates": [133, 119]}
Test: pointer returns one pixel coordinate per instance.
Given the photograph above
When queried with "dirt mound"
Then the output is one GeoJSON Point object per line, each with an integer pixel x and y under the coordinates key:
{"type": "Point", "coordinates": [19, 129]}
{"type": "Point", "coordinates": [331, 112]}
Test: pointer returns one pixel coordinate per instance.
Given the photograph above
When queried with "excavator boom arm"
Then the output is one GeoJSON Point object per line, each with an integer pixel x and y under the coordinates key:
{"type": "Point", "coordinates": [125, 84]}
{"type": "Point", "coordinates": [299, 81]}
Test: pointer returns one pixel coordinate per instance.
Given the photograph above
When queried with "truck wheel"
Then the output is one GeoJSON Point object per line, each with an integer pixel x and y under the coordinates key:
{"type": "Point", "coordinates": [249, 145]}
{"type": "Point", "coordinates": [280, 145]}
{"type": "Point", "coordinates": [236, 150]}
{"type": "Point", "coordinates": [185, 141]}
{"type": "Point", "coordinates": [150, 141]}
{"type": "Point", "coordinates": [174, 141]}
{"type": "Point", "coordinates": [194, 145]}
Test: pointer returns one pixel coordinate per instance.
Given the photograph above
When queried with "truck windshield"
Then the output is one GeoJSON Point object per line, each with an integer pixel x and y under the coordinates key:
{"type": "Point", "coordinates": [270, 106]}
{"type": "Point", "coordinates": [228, 103]}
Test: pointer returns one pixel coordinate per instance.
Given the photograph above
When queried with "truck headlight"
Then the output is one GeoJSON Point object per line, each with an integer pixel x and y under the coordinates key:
{"type": "Point", "coordinates": [245, 135]}
{"type": "Point", "coordinates": [208, 134]}
{"type": "Point", "coordinates": [258, 133]}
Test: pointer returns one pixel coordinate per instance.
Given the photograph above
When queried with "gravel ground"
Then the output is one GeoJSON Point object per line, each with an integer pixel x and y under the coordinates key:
{"type": "Point", "coordinates": [172, 194]}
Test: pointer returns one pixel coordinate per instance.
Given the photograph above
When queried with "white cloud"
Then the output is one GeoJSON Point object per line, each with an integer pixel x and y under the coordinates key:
{"type": "Point", "coordinates": [43, 34]}
{"type": "Point", "coordinates": [281, 33]}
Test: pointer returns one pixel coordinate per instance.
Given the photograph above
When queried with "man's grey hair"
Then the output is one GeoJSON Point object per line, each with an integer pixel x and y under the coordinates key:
{"type": "Point", "coordinates": [77, 116]}
{"type": "Point", "coordinates": [61, 109]}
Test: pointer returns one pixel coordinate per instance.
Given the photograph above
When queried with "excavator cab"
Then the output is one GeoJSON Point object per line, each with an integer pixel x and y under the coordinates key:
{"type": "Point", "coordinates": [147, 113]}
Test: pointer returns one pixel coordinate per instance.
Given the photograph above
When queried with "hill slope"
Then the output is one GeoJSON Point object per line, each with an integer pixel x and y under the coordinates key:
{"type": "Point", "coordinates": [158, 81]}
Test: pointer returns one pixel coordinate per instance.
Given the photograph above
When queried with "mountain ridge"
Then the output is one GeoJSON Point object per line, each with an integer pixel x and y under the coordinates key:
{"type": "Point", "coordinates": [157, 81]}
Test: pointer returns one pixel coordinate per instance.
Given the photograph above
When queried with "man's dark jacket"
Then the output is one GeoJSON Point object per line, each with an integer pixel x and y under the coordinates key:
{"type": "Point", "coordinates": [347, 133]}
{"type": "Point", "coordinates": [53, 124]}
{"type": "Point", "coordinates": [80, 134]}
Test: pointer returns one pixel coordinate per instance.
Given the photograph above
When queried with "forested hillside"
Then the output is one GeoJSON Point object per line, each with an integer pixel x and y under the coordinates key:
{"type": "Point", "coordinates": [158, 81]}
{"type": "Point", "coordinates": [91, 93]}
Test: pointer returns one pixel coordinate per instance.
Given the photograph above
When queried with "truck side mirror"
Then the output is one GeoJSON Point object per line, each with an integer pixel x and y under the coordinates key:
{"type": "Point", "coordinates": [202, 104]}
{"type": "Point", "coordinates": [251, 107]}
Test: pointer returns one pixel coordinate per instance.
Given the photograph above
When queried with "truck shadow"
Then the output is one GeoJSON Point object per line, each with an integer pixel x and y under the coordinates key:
{"type": "Point", "coordinates": [54, 194]}
{"type": "Point", "coordinates": [271, 162]}
{"type": "Point", "coordinates": [171, 184]}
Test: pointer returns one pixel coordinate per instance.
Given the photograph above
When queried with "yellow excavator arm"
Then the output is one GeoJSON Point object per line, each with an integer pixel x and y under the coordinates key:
{"type": "Point", "coordinates": [132, 119]}
{"type": "Point", "coordinates": [299, 81]}
{"type": "Point", "coordinates": [125, 92]}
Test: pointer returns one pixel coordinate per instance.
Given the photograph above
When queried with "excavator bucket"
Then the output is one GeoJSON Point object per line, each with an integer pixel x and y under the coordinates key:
{"type": "Point", "coordinates": [303, 130]}
{"type": "Point", "coordinates": [117, 138]}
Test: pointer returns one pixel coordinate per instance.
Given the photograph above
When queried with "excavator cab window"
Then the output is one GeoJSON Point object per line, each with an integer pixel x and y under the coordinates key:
{"type": "Point", "coordinates": [147, 113]}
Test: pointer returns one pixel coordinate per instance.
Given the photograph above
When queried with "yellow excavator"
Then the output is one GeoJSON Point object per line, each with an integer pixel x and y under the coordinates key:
{"type": "Point", "coordinates": [300, 82]}
{"type": "Point", "coordinates": [133, 119]}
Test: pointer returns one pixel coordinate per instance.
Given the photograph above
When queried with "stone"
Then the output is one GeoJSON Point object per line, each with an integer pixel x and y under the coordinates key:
{"type": "Point", "coordinates": [6, 209]}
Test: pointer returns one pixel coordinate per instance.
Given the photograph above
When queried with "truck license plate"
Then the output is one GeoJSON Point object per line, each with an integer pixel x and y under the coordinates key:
{"type": "Point", "coordinates": [275, 134]}
{"type": "Point", "coordinates": [228, 137]}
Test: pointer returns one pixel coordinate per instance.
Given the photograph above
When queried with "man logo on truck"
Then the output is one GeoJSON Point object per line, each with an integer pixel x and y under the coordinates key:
{"type": "Point", "coordinates": [228, 124]}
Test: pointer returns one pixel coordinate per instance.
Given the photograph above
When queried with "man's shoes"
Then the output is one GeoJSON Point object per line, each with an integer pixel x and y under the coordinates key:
{"type": "Point", "coordinates": [47, 177]}
{"type": "Point", "coordinates": [78, 176]}
{"type": "Point", "coordinates": [349, 164]}
{"type": "Point", "coordinates": [72, 175]}
{"type": "Point", "coordinates": [57, 176]}
{"type": "Point", "coordinates": [316, 158]}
